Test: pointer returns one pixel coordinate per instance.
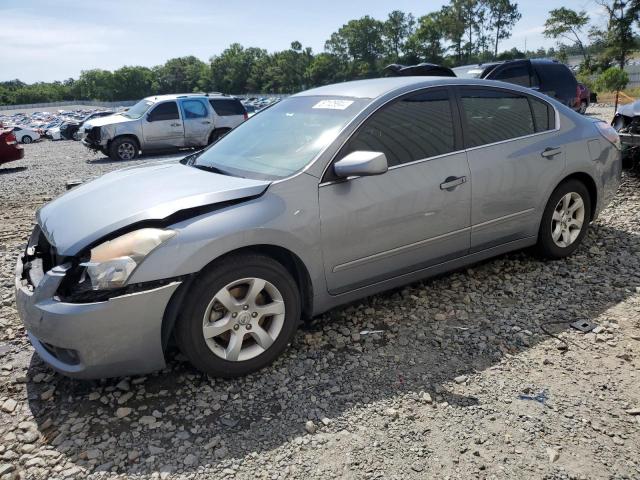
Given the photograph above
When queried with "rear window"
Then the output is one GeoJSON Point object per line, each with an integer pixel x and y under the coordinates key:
{"type": "Point", "coordinates": [494, 116]}
{"type": "Point", "coordinates": [227, 107]}
{"type": "Point", "coordinates": [516, 74]}
{"type": "Point", "coordinates": [556, 80]}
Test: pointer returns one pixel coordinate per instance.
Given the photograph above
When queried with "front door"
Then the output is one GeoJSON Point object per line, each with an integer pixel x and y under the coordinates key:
{"type": "Point", "coordinates": [162, 126]}
{"type": "Point", "coordinates": [514, 157]}
{"type": "Point", "coordinates": [197, 122]}
{"type": "Point", "coordinates": [415, 215]}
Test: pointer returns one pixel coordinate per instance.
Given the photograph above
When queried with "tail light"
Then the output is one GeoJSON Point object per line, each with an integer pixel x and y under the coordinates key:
{"type": "Point", "coordinates": [578, 95]}
{"type": "Point", "coordinates": [11, 139]}
{"type": "Point", "coordinates": [246, 116]}
{"type": "Point", "coordinates": [608, 132]}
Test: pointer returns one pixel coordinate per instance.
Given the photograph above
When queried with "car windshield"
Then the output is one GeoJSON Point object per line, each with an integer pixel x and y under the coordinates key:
{"type": "Point", "coordinates": [283, 139]}
{"type": "Point", "coordinates": [468, 72]}
{"type": "Point", "coordinates": [138, 109]}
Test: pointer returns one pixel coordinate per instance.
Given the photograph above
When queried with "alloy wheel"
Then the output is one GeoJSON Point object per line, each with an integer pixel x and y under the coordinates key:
{"type": "Point", "coordinates": [243, 319]}
{"type": "Point", "coordinates": [126, 151]}
{"type": "Point", "coordinates": [567, 219]}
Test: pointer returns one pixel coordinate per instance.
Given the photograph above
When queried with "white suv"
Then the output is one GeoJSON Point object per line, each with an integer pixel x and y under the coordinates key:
{"type": "Point", "coordinates": [164, 122]}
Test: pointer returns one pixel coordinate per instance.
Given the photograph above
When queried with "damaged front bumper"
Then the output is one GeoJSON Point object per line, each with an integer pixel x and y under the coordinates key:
{"type": "Point", "coordinates": [117, 337]}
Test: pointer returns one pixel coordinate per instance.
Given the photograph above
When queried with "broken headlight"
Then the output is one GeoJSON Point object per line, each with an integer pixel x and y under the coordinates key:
{"type": "Point", "coordinates": [112, 263]}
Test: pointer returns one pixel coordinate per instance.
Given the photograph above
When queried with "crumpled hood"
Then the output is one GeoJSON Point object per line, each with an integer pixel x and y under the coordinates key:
{"type": "Point", "coordinates": [149, 192]}
{"type": "Point", "coordinates": [630, 109]}
{"type": "Point", "coordinates": [107, 120]}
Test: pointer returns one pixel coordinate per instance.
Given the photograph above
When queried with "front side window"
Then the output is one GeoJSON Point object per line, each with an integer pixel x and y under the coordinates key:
{"type": "Point", "coordinates": [413, 128]}
{"type": "Point", "coordinates": [494, 116]}
{"type": "Point", "coordinates": [516, 74]}
{"type": "Point", "coordinates": [194, 109]}
{"type": "Point", "coordinates": [164, 111]}
{"type": "Point", "coordinates": [283, 139]}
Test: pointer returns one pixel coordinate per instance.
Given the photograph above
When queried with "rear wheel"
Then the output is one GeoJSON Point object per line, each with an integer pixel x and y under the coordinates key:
{"type": "Point", "coordinates": [565, 220]}
{"type": "Point", "coordinates": [26, 139]}
{"type": "Point", "coordinates": [239, 316]}
{"type": "Point", "coordinates": [583, 107]}
{"type": "Point", "coordinates": [123, 149]}
{"type": "Point", "coordinates": [217, 135]}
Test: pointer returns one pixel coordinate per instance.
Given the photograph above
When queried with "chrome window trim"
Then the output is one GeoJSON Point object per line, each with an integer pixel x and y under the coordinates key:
{"type": "Point", "coordinates": [499, 87]}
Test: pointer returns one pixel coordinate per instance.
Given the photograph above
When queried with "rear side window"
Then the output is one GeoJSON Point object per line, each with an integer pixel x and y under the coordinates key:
{"type": "Point", "coordinates": [227, 107]}
{"type": "Point", "coordinates": [517, 74]}
{"type": "Point", "coordinates": [543, 115]}
{"type": "Point", "coordinates": [164, 111]}
{"type": "Point", "coordinates": [495, 115]}
{"type": "Point", "coordinates": [194, 109]}
{"type": "Point", "coordinates": [410, 129]}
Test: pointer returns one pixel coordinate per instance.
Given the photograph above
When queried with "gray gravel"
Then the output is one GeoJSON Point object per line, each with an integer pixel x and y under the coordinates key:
{"type": "Point", "coordinates": [470, 375]}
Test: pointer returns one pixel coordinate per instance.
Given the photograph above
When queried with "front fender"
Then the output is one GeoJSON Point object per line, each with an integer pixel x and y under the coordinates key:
{"type": "Point", "coordinates": [286, 216]}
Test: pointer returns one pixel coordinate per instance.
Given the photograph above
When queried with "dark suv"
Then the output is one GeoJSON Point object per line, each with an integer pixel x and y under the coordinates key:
{"type": "Point", "coordinates": [547, 76]}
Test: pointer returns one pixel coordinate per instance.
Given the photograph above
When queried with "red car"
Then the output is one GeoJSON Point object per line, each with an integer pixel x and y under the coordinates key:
{"type": "Point", "coordinates": [583, 98]}
{"type": "Point", "coordinates": [10, 150]}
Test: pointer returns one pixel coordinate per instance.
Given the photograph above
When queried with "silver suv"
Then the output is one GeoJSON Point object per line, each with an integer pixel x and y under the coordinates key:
{"type": "Point", "coordinates": [164, 122]}
{"type": "Point", "coordinates": [326, 197]}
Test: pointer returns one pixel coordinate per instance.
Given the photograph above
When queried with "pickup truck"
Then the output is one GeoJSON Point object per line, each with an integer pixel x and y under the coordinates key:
{"type": "Point", "coordinates": [164, 122]}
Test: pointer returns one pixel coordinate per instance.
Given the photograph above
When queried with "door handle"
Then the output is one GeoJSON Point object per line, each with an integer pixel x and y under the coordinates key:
{"type": "Point", "coordinates": [452, 182]}
{"type": "Point", "coordinates": [176, 124]}
{"type": "Point", "coordinates": [551, 152]}
{"type": "Point", "coordinates": [206, 122]}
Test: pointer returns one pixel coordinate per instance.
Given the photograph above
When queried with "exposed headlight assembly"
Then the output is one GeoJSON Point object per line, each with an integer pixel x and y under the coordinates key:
{"type": "Point", "coordinates": [112, 263]}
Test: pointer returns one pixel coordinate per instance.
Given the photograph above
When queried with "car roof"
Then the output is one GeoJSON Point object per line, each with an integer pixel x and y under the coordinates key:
{"type": "Point", "coordinates": [175, 96]}
{"type": "Point", "coordinates": [377, 87]}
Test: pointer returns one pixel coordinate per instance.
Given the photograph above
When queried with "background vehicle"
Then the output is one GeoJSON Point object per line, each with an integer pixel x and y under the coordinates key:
{"type": "Point", "coordinates": [26, 135]}
{"type": "Point", "coordinates": [330, 195]}
{"type": "Point", "coordinates": [584, 98]}
{"type": "Point", "coordinates": [9, 148]}
{"type": "Point", "coordinates": [164, 122]}
{"type": "Point", "coordinates": [550, 77]}
{"type": "Point", "coordinates": [76, 135]}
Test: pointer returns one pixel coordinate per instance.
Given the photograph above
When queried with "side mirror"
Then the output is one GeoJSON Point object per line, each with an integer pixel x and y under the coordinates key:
{"type": "Point", "coordinates": [149, 117]}
{"type": "Point", "coordinates": [361, 164]}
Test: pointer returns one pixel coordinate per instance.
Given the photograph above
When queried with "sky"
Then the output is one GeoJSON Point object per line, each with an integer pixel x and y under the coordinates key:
{"type": "Point", "coordinates": [44, 40]}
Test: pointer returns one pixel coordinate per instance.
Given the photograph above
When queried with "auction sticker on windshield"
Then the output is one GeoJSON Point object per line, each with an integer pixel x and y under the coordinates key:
{"type": "Point", "coordinates": [333, 104]}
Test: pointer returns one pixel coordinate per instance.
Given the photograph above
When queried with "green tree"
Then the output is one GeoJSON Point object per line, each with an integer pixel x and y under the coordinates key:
{"type": "Point", "coordinates": [234, 70]}
{"type": "Point", "coordinates": [453, 26]}
{"type": "Point", "coordinates": [180, 75]}
{"type": "Point", "coordinates": [503, 15]}
{"type": "Point", "coordinates": [360, 42]}
{"type": "Point", "coordinates": [396, 29]}
{"type": "Point", "coordinates": [426, 42]}
{"type": "Point", "coordinates": [566, 23]}
{"type": "Point", "coordinates": [618, 38]}
{"type": "Point", "coordinates": [132, 83]}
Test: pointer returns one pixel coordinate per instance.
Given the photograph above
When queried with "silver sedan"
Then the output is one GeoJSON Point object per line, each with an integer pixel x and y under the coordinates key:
{"type": "Point", "coordinates": [330, 195]}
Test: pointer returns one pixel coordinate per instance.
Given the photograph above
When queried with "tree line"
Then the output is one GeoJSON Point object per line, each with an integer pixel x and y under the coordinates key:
{"type": "Point", "coordinates": [461, 32]}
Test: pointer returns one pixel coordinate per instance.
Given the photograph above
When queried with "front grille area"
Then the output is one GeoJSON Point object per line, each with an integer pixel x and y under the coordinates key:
{"type": "Point", "coordinates": [92, 135]}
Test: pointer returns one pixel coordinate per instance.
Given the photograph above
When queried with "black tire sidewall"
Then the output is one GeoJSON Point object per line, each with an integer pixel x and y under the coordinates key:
{"type": "Point", "coordinates": [26, 139]}
{"type": "Point", "coordinates": [189, 326]}
{"type": "Point", "coordinates": [546, 245]}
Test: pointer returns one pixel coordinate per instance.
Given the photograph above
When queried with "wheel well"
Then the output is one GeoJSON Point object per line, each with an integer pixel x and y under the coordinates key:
{"type": "Point", "coordinates": [286, 258]}
{"type": "Point", "coordinates": [223, 130]}
{"type": "Point", "coordinates": [129, 135]}
{"type": "Point", "coordinates": [591, 188]}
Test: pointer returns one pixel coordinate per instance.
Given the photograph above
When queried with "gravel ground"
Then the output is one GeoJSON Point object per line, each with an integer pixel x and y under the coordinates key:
{"type": "Point", "coordinates": [474, 374]}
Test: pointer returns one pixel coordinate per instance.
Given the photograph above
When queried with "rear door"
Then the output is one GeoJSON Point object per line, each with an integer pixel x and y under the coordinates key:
{"type": "Point", "coordinates": [514, 156]}
{"type": "Point", "coordinates": [197, 121]}
{"type": "Point", "coordinates": [162, 126]}
{"type": "Point", "coordinates": [413, 216]}
{"type": "Point", "coordinates": [229, 112]}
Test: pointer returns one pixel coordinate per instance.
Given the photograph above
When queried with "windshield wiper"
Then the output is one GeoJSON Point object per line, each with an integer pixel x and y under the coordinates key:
{"type": "Point", "coordinates": [209, 168]}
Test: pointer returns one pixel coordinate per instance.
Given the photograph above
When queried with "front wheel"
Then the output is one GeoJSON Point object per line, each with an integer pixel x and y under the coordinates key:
{"type": "Point", "coordinates": [565, 220]}
{"type": "Point", "coordinates": [239, 316]}
{"type": "Point", "coordinates": [583, 107]}
{"type": "Point", "coordinates": [123, 149]}
{"type": "Point", "coordinates": [27, 139]}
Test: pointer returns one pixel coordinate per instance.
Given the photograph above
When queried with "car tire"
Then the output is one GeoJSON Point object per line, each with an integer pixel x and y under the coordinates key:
{"type": "Point", "coordinates": [583, 107]}
{"type": "Point", "coordinates": [217, 135]}
{"type": "Point", "coordinates": [565, 220]}
{"type": "Point", "coordinates": [26, 139]}
{"type": "Point", "coordinates": [123, 149]}
{"type": "Point", "coordinates": [235, 340]}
